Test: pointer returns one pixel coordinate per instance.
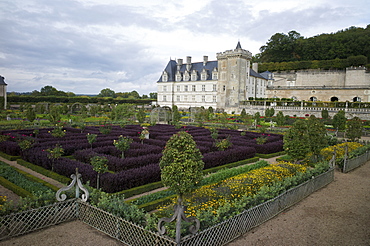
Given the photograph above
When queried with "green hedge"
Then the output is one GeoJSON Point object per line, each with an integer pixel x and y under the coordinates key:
{"type": "Point", "coordinates": [16, 189]}
{"type": "Point", "coordinates": [45, 172]}
{"type": "Point", "coordinates": [140, 189]}
{"type": "Point", "coordinates": [268, 156]}
{"type": "Point", "coordinates": [9, 157]}
{"type": "Point", "coordinates": [231, 165]}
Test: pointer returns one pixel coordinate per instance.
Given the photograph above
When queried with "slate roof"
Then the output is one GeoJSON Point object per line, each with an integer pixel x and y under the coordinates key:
{"type": "Point", "coordinates": [171, 70]}
{"type": "Point", "coordinates": [2, 82]}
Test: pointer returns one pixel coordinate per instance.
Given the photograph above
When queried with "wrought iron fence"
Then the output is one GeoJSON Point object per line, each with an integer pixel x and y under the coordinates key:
{"type": "Point", "coordinates": [27, 221]}
{"type": "Point", "coordinates": [119, 228]}
{"type": "Point", "coordinates": [232, 228]}
{"type": "Point", "coordinates": [350, 164]}
{"type": "Point", "coordinates": [131, 234]}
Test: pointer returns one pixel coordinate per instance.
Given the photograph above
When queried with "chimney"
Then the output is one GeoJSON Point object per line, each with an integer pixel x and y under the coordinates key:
{"type": "Point", "coordinates": [255, 66]}
{"type": "Point", "coordinates": [205, 60]}
{"type": "Point", "coordinates": [179, 64]}
{"type": "Point", "coordinates": [188, 63]}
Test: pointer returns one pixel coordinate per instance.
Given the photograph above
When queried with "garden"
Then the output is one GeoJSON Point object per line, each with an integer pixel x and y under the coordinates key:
{"type": "Point", "coordinates": [120, 161]}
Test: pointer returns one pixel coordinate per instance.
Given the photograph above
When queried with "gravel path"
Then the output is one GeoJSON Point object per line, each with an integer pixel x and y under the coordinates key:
{"type": "Point", "coordinates": [338, 214]}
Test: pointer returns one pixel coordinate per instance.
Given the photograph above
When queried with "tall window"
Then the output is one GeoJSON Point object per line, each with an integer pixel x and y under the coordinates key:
{"type": "Point", "coordinates": [185, 88]}
{"type": "Point", "coordinates": [193, 98]}
{"type": "Point", "coordinates": [178, 98]}
{"type": "Point", "coordinates": [203, 98]}
{"type": "Point", "coordinates": [224, 88]}
{"type": "Point", "coordinates": [203, 87]}
{"type": "Point", "coordinates": [185, 98]}
{"type": "Point", "coordinates": [214, 99]}
{"type": "Point", "coordinates": [164, 98]}
{"type": "Point", "coordinates": [194, 88]}
{"type": "Point", "coordinates": [164, 88]}
{"type": "Point", "coordinates": [178, 88]}
{"type": "Point", "coordinates": [214, 87]}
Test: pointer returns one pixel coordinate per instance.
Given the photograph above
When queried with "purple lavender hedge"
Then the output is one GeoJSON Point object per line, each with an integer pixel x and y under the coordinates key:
{"type": "Point", "coordinates": [141, 163]}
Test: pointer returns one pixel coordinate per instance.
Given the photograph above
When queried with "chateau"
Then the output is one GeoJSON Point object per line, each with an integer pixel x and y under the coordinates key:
{"type": "Point", "coordinates": [221, 84]}
{"type": "Point", "coordinates": [227, 82]}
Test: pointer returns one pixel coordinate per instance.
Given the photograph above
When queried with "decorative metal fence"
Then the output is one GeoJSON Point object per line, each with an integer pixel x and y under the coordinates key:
{"type": "Point", "coordinates": [232, 228]}
{"type": "Point", "coordinates": [31, 220]}
{"type": "Point", "coordinates": [131, 234]}
{"type": "Point", "coordinates": [350, 164]}
{"type": "Point", "coordinates": [119, 228]}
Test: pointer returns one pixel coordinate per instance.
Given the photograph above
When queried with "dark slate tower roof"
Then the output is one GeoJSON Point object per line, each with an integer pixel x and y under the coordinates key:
{"type": "Point", "coordinates": [2, 82]}
{"type": "Point", "coordinates": [238, 46]}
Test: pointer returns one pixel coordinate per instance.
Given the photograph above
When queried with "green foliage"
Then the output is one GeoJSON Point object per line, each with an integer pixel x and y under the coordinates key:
{"type": "Point", "coordinates": [325, 114]}
{"type": "Point", "coordinates": [269, 112]}
{"type": "Point", "coordinates": [91, 138]}
{"type": "Point", "coordinates": [223, 144]}
{"type": "Point", "coordinates": [105, 129]}
{"type": "Point", "coordinates": [26, 144]}
{"type": "Point", "coordinates": [123, 144]}
{"type": "Point", "coordinates": [107, 92]}
{"type": "Point", "coordinates": [337, 50]}
{"type": "Point", "coordinates": [280, 118]}
{"type": "Point", "coordinates": [261, 140]}
{"type": "Point", "coordinates": [54, 154]}
{"type": "Point", "coordinates": [181, 164]}
{"type": "Point", "coordinates": [100, 165]}
{"type": "Point", "coordinates": [58, 132]}
{"type": "Point", "coordinates": [140, 115]}
{"type": "Point", "coordinates": [296, 139]}
{"type": "Point", "coordinates": [30, 114]}
{"type": "Point", "coordinates": [54, 114]}
{"type": "Point", "coordinates": [354, 129]}
{"type": "Point", "coordinates": [176, 116]}
{"type": "Point", "coordinates": [214, 133]}
{"type": "Point", "coordinates": [257, 118]}
{"type": "Point", "coordinates": [306, 136]}
{"type": "Point", "coordinates": [339, 120]}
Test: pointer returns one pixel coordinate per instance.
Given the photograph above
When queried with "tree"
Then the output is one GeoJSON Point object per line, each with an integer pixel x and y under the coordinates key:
{"type": "Point", "coordinates": [91, 138]}
{"type": "Point", "coordinates": [295, 141]}
{"type": "Point", "coordinates": [181, 164]}
{"type": "Point", "coordinates": [54, 154]}
{"type": "Point", "coordinates": [280, 118]}
{"type": "Point", "coordinates": [122, 144]}
{"type": "Point", "coordinates": [140, 115]}
{"type": "Point", "coordinates": [54, 114]}
{"type": "Point", "coordinates": [316, 136]}
{"type": "Point", "coordinates": [354, 129]}
{"type": "Point", "coordinates": [153, 95]}
{"type": "Point", "coordinates": [339, 121]}
{"type": "Point", "coordinates": [176, 116]}
{"type": "Point", "coordinates": [48, 91]}
{"type": "Point", "coordinates": [107, 92]}
{"type": "Point", "coordinates": [100, 165]}
{"type": "Point", "coordinates": [324, 114]}
{"type": "Point", "coordinates": [30, 114]}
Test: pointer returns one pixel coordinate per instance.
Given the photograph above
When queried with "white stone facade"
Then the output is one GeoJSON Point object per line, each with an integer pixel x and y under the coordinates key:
{"type": "Point", "coordinates": [220, 84]}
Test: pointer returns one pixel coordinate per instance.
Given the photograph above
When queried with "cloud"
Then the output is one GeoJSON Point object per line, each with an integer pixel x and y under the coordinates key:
{"type": "Point", "coordinates": [84, 46]}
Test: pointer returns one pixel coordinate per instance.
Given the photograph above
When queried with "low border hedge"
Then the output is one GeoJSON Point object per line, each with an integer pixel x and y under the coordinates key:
{"type": "Point", "coordinates": [13, 187]}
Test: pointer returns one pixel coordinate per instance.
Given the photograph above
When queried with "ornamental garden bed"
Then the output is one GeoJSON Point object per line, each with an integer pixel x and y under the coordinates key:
{"type": "Point", "coordinates": [141, 163]}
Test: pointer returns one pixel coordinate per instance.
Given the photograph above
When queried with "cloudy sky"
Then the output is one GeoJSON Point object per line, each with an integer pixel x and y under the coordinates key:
{"type": "Point", "coordinates": [84, 46]}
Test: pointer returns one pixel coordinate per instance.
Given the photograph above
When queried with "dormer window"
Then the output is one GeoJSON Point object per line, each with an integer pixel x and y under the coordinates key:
{"type": "Point", "coordinates": [178, 76]}
{"type": "Point", "coordinates": [164, 76]}
{"type": "Point", "coordinates": [186, 76]}
{"type": "Point", "coordinates": [194, 76]}
{"type": "Point", "coordinates": [204, 75]}
{"type": "Point", "coordinates": [214, 74]}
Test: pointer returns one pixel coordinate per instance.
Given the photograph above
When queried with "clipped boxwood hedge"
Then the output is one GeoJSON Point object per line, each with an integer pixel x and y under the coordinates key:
{"type": "Point", "coordinates": [9, 157]}
{"type": "Point", "coordinates": [16, 189]}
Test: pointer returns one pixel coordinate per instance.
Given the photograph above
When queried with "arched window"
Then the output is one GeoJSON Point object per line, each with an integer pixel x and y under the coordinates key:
{"type": "Point", "coordinates": [294, 98]}
{"type": "Point", "coordinates": [356, 99]}
{"type": "Point", "coordinates": [314, 99]}
{"type": "Point", "coordinates": [334, 99]}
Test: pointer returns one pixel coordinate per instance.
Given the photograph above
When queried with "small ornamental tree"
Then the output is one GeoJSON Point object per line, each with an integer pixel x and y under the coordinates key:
{"type": "Point", "coordinates": [325, 114]}
{"type": "Point", "coordinates": [55, 154]}
{"type": "Point", "coordinates": [354, 129]}
{"type": "Point", "coordinates": [100, 165]}
{"type": "Point", "coordinates": [91, 138]}
{"type": "Point", "coordinates": [316, 136]}
{"type": "Point", "coordinates": [176, 116]}
{"type": "Point", "coordinates": [295, 141]}
{"type": "Point", "coordinates": [30, 114]}
{"type": "Point", "coordinates": [223, 144]}
{"type": "Point", "coordinates": [122, 144]}
{"type": "Point", "coordinates": [181, 164]}
{"type": "Point", "coordinates": [140, 115]}
{"type": "Point", "coordinates": [280, 118]}
{"type": "Point", "coordinates": [339, 120]}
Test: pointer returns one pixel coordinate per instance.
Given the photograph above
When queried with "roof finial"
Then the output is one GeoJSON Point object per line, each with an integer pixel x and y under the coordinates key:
{"type": "Point", "coordinates": [238, 46]}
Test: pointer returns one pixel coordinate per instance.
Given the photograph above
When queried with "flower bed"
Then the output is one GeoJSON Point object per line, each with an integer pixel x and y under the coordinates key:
{"type": "Point", "coordinates": [141, 163]}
